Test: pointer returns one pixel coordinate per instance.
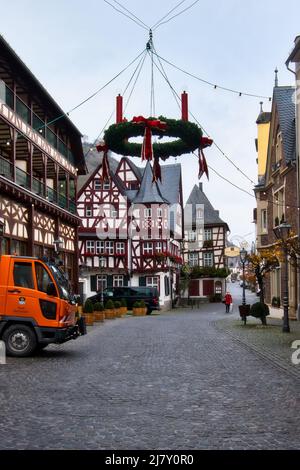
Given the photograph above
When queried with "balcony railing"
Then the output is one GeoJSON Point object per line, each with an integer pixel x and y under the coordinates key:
{"type": "Point", "coordinates": [38, 187]}
{"type": "Point", "coordinates": [28, 116]}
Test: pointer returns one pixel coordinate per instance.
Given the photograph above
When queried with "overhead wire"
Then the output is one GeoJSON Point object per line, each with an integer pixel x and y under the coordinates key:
{"type": "Point", "coordinates": [177, 14]}
{"type": "Point", "coordinates": [214, 85]}
{"type": "Point", "coordinates": [130, 17]}
{"type": "Point", "coordinates": [167, 14]}
{"type": "Point", "coordinates": [132, 14]}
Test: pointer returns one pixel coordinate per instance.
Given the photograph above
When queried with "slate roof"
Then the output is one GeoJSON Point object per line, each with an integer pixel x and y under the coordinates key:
{"type": "Point", "coordinates": [93, 162]}
{"type": "Point", "coordinates": [264, 118]}
{"type": "Point", "coordinates": [149, 192]}
{"type": "Point", "coordinates": [284, 99]}
{"type": "Point", "coordinates": [211, 216]}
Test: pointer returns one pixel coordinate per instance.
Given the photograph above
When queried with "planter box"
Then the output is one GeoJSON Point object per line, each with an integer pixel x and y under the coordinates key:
{"type": "Point", "coordinates": [110, 314]}
{"type": "Point", "coordinates": [89, 318]}
{"type": "Point", "coordinates": [244, 310]}
{"type": "Point", "coordinates": [139, 312]}
{"type": "Point", "coordinates": [99, 316]}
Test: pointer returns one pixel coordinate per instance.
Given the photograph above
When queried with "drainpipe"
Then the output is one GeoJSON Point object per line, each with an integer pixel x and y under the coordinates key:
{"type": "Point", "coordinates": [298, 184]}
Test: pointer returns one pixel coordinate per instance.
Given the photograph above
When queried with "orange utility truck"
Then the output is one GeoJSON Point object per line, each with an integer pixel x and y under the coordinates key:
{"type": "Point", "coordinates": [36, 305]}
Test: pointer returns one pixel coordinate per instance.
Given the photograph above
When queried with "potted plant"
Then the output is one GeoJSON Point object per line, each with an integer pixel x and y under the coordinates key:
{"type": "Point", "coordinates": [136, 309]}
{"type": "Point", "coordinates": [123, 307]}
{"type": "Point", "coordinates": [143, 307]}
{"type": "Point", "coordinates": [261, 311]}
{"type": "Point", "coordinates": [88, 312]}
{"type": "Point", "coordinates": [118, 311]}
{"type": "Point", "coordinates": [110, 312]}
{"type": "Point", "coordinates": [99, 314]}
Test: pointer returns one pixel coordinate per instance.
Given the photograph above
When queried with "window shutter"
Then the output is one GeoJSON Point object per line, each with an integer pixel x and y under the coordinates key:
{"type": "Point", "coordinates": [142, 281]}
{"type": "Point", "coordinates": [109, 281]}
{"type": "Point", "coordinates": [167, 290]}
{"type": "Point", "coordinates": [94, 283]}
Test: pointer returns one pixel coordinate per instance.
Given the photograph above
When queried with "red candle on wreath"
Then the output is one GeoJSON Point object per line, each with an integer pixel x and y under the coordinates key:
{"type": "Point", "coordinates": [184, 107]}
{"type": "Point", "coordinates": [119, 113]}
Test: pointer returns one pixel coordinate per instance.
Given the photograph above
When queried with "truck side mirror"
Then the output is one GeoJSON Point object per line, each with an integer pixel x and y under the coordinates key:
{"type": "Point", "coordinates": [51, 289]}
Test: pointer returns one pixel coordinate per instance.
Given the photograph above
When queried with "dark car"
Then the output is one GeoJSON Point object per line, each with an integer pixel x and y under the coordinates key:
{"type": "Point", "coordinates": [131, 294]}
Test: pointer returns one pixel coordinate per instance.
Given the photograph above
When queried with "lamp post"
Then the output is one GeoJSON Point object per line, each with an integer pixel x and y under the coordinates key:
{"type": "Point", "coordinates": [282, 233]}
{"type": "Point", "coordinates": [102, 263]}
{"type": "Point", "coordinates": [243, 256]}
{"type": "Point", "coordinates": [2, 229]}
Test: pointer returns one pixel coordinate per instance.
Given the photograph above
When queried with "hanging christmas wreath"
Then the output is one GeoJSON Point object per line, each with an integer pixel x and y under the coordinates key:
{"type": "Point", "coordinates": [187, 133]}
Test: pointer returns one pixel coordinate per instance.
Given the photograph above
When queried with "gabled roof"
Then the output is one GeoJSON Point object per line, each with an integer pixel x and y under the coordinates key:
{"type": "Point", "coordinates": [284, 101]}
{"type": "Point", "coordinates": [84, 181]}
{"type": "Point", "coordinates": [211, 216]}
{"type": "Point", "coordinates": [136, 170]}
{"type": "Point", "coordinates": [149, 192]}
{"type": "Point", "coordinates": [170, 182]}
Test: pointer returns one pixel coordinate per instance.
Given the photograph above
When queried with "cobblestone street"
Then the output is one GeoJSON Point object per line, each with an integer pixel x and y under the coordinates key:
{"type": "Point", "coordinates": [169, 381]}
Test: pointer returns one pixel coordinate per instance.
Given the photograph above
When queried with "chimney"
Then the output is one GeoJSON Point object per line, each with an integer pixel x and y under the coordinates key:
{"type": "Point", "coordinates": [201, 186]}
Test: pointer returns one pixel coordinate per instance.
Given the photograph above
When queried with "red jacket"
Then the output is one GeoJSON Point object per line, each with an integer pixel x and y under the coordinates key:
{"type": "Point", "coordinates": [228, 299]}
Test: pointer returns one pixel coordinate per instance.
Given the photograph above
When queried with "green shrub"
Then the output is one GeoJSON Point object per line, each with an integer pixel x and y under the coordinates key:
{"type": "Point", "coordinates": [109, 305]}
{"type": "Point", "coordinates": [98, 307]}
{"type": "Point", "coordinates": [123, 303]}
{"type": "Point", "coordinates": [215, 298]}
{"type": "Point", "coordinates": [88, 307]}
{"type": "Point", "coordinates": [117, 304]}
{"type": "Point", "coordinates": [142, 304]}
{"type": "Point", "coordinates": [276, 302]}
{"type": "Point", "coordinates": [260, 310]}
{"type": "Point", "coordinates": [136, 304]}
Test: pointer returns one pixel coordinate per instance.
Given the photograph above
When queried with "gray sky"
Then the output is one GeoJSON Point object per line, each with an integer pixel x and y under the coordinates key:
{"type": "Point", "coordinates": [74, 47]}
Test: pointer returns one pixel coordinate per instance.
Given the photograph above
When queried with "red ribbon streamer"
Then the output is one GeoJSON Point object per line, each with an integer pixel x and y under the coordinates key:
{"type": "Point", "coordinates": [203, 168]}
{"type": "Point", "coordinates": [147, 149]}
{"type": "Point", "coordinates": [105, 165]}
{"type": "Point", "coordinates": [156, 171]}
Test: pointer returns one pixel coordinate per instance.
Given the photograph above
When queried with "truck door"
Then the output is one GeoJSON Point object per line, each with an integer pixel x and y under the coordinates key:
{"type": "Point", "coordinates": [21, 298]}
{"type": "Point", "coordinates": [26, 295]}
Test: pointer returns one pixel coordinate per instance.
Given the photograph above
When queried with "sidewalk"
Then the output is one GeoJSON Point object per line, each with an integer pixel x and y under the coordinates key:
{"type": "Point", "coordinates": [269, 342]}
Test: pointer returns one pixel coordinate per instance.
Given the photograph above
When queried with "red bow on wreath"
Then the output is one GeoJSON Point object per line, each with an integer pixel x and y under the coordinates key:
{"type": "Point", "coordinates": [203, 168]}
{"type": "Point", "coordinates": [105, 166]}
{"type": "Point", "coordinates": [147, 148]}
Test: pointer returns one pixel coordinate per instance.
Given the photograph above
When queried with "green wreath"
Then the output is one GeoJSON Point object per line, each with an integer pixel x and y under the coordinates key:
{"type": "Point", "coordinates": [189, 134]}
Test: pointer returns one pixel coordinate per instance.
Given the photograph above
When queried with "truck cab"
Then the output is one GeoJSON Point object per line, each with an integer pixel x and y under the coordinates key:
{"type": "Point", "coordinates": [36, 305]}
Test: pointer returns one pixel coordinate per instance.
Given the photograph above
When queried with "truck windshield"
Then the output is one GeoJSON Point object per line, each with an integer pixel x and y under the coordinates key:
{"type": "Point", "coordinates": [62, 282]}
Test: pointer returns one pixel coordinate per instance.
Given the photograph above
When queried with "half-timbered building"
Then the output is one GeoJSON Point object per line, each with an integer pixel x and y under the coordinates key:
{"type": "Point", "coordinates": [40, 157]}
{"type": "Point", "coordinates": [131, 228]}
{"type": "Point", "coordinates": [204, 246]}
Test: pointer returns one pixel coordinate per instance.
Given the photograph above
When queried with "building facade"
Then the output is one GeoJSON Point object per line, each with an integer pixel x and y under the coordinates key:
{"type": "Point", "coordinates": [276, 193]}
{"type": "Point", "coordinates": [204, 246]}
{"type": "Point", "coordinates": [40, 159]}
{"type": "Point", "coordinates": [131, 229]}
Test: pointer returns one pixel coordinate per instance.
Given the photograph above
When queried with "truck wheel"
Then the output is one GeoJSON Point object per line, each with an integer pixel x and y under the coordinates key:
{"type": "Point", "coordinates": [20, 340]}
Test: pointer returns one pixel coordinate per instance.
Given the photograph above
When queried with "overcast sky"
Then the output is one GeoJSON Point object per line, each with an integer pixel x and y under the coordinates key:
{"type": "Point", "coordinates": [74, 47]}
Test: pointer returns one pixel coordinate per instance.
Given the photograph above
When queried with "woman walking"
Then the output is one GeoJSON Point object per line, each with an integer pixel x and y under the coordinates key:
{"type": "Point", "coordinates": [228, 301]}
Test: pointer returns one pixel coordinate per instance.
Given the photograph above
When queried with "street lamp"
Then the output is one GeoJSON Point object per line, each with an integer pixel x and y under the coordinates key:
{"type": "Point", "coordinates": [282, 233]}
{"type": "Point", "coordinates": [243, 256]}
{"type": "Point", "coordinates": [2, 229]}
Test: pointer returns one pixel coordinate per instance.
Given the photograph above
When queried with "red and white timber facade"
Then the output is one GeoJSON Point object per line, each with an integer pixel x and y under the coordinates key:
{"type": "Point", "coordinates": [131, 230]}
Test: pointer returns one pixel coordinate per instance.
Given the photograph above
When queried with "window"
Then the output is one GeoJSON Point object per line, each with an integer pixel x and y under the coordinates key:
{"type": "Point", "coordinates": [106, 185]}
{"type": "Point", "coordinates": [148, 213]}
{"type": "Point", "coordinates": [208, 259]}
{"type": "Point", "coordinates": [118, 281]}
{"type": "Point", "coordinates": [199, 214]}
{"type": "Point", "coordinates": [42, 277]}
{"type": "Point", "coordinates": [113, 213]}
{"type": "Point", "coordinates": [264, 221]}
{"type": "Point", "coordinates": [90, 247]}
{"type": "Point", "coordinates": [102, 262]}
{"type": "Point", "coordinates": [148, 248]}
{"type": "Point", "coordinates": [167, 286]}
{"type": "Point", "coordinates": [99, 247]}
{"type": "Point", "coordinates": [23, 275]}
{"type": "Point", "coordinates": [279, 206]}
{"type": "Point", "coordinates": [88, 211]}
{"type": "Point", "coordinates": [159, 212]}
{"type": "Point", "coordinates": [158, 247]}
{"type": "Point", "coordinates": [193, 259]}
{"type": "Point", "coordinates": [120, 248]}
{"type": "Point", "coordinates": [97, 185]}
{"type": "Point", "coordinates": [208, 234]}
{"type": "Point", "coordinates": [278, 152]}
{"type": "Point", "coordinates": [101, 282]}
{"type": "Point", "coordinates": [152, 281]}
{"type": "Point", "coordinates": [109, 248]}
{"type": "Point", "coordinates": [192, 236]}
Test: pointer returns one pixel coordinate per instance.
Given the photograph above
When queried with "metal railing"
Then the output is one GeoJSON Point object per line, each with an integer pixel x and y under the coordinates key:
{"type": "Point", "coordinates": [38, 187]}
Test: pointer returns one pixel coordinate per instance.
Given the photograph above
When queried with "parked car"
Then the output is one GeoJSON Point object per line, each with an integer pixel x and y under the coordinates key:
{"type": "Point", "coordinates": [131, 294]}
